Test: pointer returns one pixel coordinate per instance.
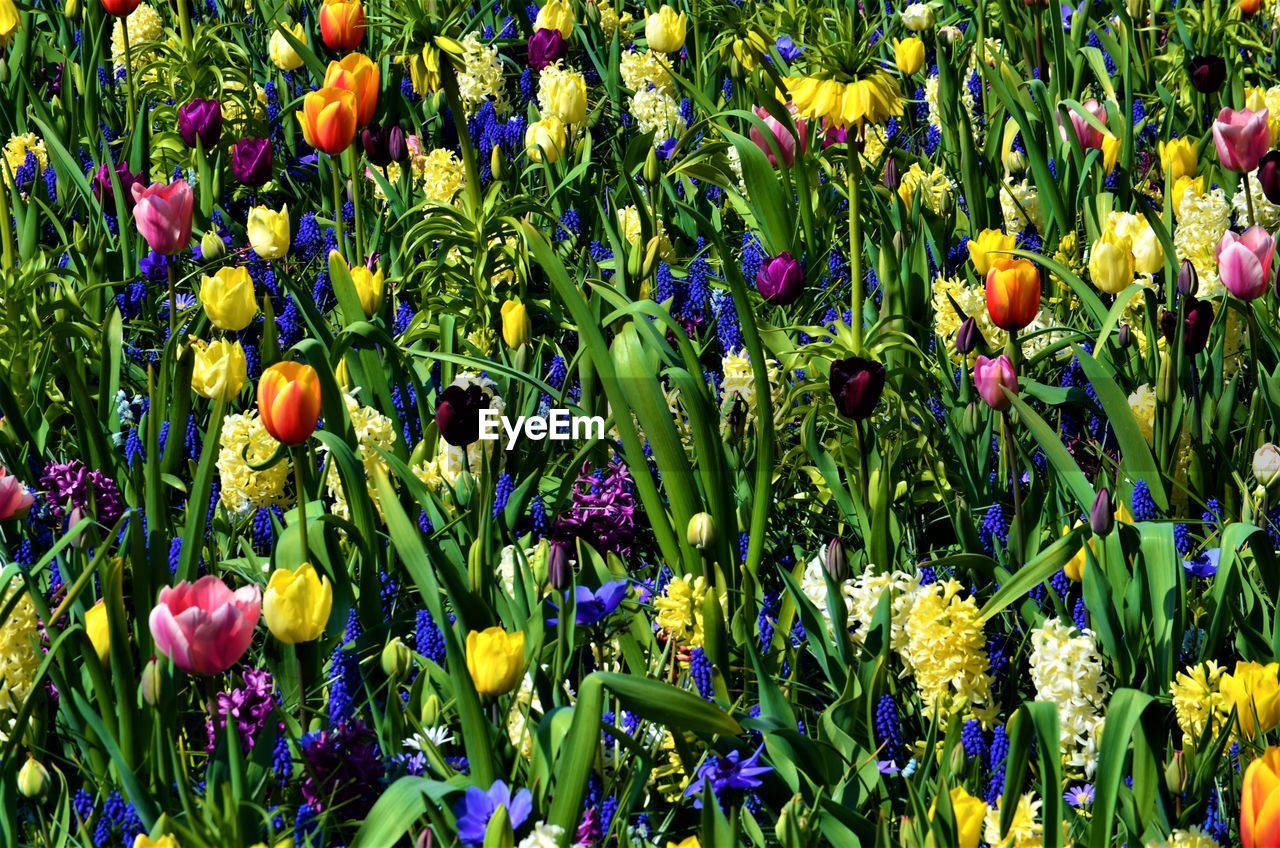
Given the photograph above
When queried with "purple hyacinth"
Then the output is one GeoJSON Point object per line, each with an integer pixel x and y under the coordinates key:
{"type": "Point", "coordinates": [343, 769]}
{"type": "Point", "coordinates": [92, 492]}
{"type": "Point", "coordinates": [250, 706]}
{"type": "Point", "coordinates": [603, 512]}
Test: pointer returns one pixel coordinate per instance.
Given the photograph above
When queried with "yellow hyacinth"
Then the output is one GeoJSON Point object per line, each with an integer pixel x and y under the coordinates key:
{"type": "Point", "coordinates": [297, 604]}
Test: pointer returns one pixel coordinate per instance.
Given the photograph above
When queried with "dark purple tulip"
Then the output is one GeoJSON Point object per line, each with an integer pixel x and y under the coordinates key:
{"type": "Point", "coordinates": [892, 177]}
{"type": "Point", "coordinates": [546, 47]}
{"type": "Point", "coordinates": [1102, 516]}
{"type": "Point", "coordinates": [1195, 327]}
{"type": "Point", "coordinates": [856, 386]}
{"type": "Point", "coordinates": [1269, 175]}
{"type": "Point", "coordinates": [200, 119]}
{"type": "Point", "coordinates": [781, 280]}
{"type": "Point", "coordinates": [1188, 279]}
{"type": "Point", "coordinates": [103, 190]}
{"type": "Point", "coordinates": [251, 161]}
{"type": "Point", "coordinates": [559, 569]}
{"type": "Point", "coordinates": [1125, 337]}
{"type": "Point", "coordinates": [383, 145]}
{"type": "Point", "coordinates": [837, 561]}
{"type": "Point", "coordinates": [458, 414]}
{"type": "Point", "coordinates": [968, 336]}
{"type": "Point", "coordinates": [1208, 73]}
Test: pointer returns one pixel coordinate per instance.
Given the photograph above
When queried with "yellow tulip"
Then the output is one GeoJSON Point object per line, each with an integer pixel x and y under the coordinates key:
{"type": "Point", "coordinates": [166, 841]}
{"type": "Point", "coordinates": [370, 288]}
{"type": "Point", "coordinates": [557, 14]}
{"type": "Point", "coordinates": [1254, 690]}
{"type": "Point", "coordinates": [1075, 568]}
{"type": "Point", "coordinates": [565, 95]}
{"type": "Point", "coordinates": [970, 814]}
{"type": "Point", "coordinates": [1110, 152]}
{"type": "Point", "coordinates": [495, 659]}
{"type": "Point", "coordinates": [95, 624]}
{"type": "Point", "coordinates": [908, 55]}
{"type": "Point", "coordinates": [297, 604]}
{"type": "Point", "coordinates": [227, 298]}
{"type": "Point", "coordinates": [9, 21]}
{"type": "Point", "coordinates": [281, 52]}
{"type": "Point", "coordinates": [220, 369]}
{"type": "Point", "coordinates": [1111, 263]}
{"type": "Point", "coordinates": [544, 140]}
{"type": "Point", "coordinates": [981, 249]}
{"type": "Point", "coordinates": [665, 30]}
{"type": "Point", "coordinates": [517, 328]}
{"type": "Point", "coordinates": [687, 842]}
{"type": "Point", "coordinates": [269, 231]}
{"type": "Point", "coordinates": [1177, 159]}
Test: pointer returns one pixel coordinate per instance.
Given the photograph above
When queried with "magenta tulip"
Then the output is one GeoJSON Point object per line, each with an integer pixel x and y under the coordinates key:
{"type": "Point", "coordinates": [992, 377]}
{"type": "Point", "coordinates": [15, 500]}
{"type": "Point", "coordinates": [1242, 138]}
{"type": "Point", "coordinates": [1244, 262]}
{"type": "Point", "coordinates": [204, 627]}
{"type": "Point", "coordinates": [1089, 136]}
{"type": "Point", "coordinates": [781, 133]}
{"type": "Point", "coordinates": [163, 215]}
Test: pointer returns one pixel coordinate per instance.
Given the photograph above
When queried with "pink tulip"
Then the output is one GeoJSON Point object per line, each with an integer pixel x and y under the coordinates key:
{"type": "Point", "coordinates": [992, 376]}
{"type": "Point", "coordinates": [204, 627]}
{"type": "Point", "coordinates": [1242, 138]}
{"type": "Point", "coordinates": [1090, 137]}
{"type": "Point", "coordinates": [1244, 262]}
{"type": "Point", "coordinates": [163, 215]}
{"type": "Point", "coordinates": [15, 500]}
{"type": "Point", "coordinates": [782, 134]}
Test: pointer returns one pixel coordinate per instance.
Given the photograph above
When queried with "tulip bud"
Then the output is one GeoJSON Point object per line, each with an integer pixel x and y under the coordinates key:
{"type": "Point", "coordinates": [1166, 381]}
{"type": "Point", "coordinates": [464, 489]}
{"type": "Point", "coordinates": [971, 421]}
{"type": "Point", "coordinates": [967, 336]}
{"type": "Point", "coordinates": [431, 710]}
{"type": "Point", "coordinates": [559, 568]}
{"type": "Point", "coordinates": [652, 170]}
{"type": "Point", "coordinates": [212, 246]}
{"type": "Point", "coordinates": [892, 176]}
{"type": "Point", "coordinates": [836, 561]}
{"type": "Point", "coordinates": [1175, 774]}
{"type": "Point", "coordinates": [780, 280]}
{"type": "Point", "coordinates": [33, 779]}
{"type": "Point", "coordinates": [1266, 464]}
{"type": "Point", "coordinates": [71, 8]}
{"type": "Point", "coordinates": [498, 833]}
{"type": "Point", "coordinates": [1125, 337]}
{"type": "Point", "coordinates": [1188, 280]}
{"type": "Point", "coordinates": [498, 162]}
{"type": "Point", "coordinates": [1102, 516]}
{"type": "Point", "coordinates": [152, 681]}
{"type": "Point", "coordinates": [396, 659]}
{"type": "Point", "coordinates": [701, 532]}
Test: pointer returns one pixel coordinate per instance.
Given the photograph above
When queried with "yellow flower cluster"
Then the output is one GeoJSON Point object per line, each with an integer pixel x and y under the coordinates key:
{"type": "Point", "coordinates": [371, 428]}
{"type": "Point", "coordinates": [935, 187]}
{"type": "Point", "coordinates": [871, 99]}
{"type": "Point", "coordinates": [644, 68]}
{"type": "Point", "coordinates": [16, 150]}
{"type": "Point", "coordinates": [656, 112]}
{"type": "Point", "coordinates": [19, 656]}
{"type": "Point", "coordinates": [1067, 671]}
{"type": "Point", "coordinates": [480, 76]}
{"type": "Point", "coordinates": [680, 610]}
{"type": "Point", "coordinates": [1142, 403]}
{"type": "Point", "coordinates": [946, 647]}
{"type": "Point", "coordinates": [144, 26]}
{"type": "Point", "coordinates": [245, 439]}
{"type": "Point", "coordinates": [611, 21]}
{"type": "Point", "coordinates": [1203, 217]}
{"type": "Point", "coordinates": [441, 173]}
{"type": "Point", "coordinates": [1198, 702]}
{"type": "Point", "coordinates": [867, 591]}
{"type": "Point", "coordinates": [1024, 830]}
{"type": "Point", "coordinates": [739, 383]}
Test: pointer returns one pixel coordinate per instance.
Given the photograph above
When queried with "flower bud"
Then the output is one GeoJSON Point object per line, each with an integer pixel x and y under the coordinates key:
{"type": "Point", "coordinates": [892, 176]}
{"type": "Point", "coordinates": [152, 681]}
{"type": "Point", "coordinates": [212, 246]}
{"type": "Point", "coordinates": [836, 561]}
{"type": "Point", "coordinates": [464, 489]}
{"type": "Point", "coordinates": [967, 336]}
{"type": "Point", "coordinates": [431, 710]}
{"type": "Point", "coordinates": [1125, 337]}
{"type": "Point", "coordinates": [396, 659]}
{"type": "Point", "coordinates": [1175, 774]}
{"type": "Point", "coordinates": [498, 832]}
{"type": "Point", "coordinates": [1266, 464]}
{"type": "Point", "coordinates": [33, 779]}
{"type": "Point", "coordinates": [1166, 380]}
{"type": "Point", "coordinates": [1102, 516]}
{"type": "Point", "coordinates": [1269, 175]}
{"type": "Point", "coordinates": [559, 568]}
{"type": "Point", "coordinates": [701, 532]}
{"type": "Point", "coordinates": [652, 170]}
{"type": "Point", "coordinates": [1188, 280]}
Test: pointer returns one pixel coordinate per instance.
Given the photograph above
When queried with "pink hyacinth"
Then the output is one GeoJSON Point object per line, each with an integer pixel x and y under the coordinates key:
{"type": "Point", "coordinates": [785, 138]}
{"type": "Point", "coordinates": [992, 376]}
{"type": "Point", "coordinates": [1244, 262]}
{"type": "Point", "coordinates": [163, 215]}
{"type": "Point", "coordinates": [15, 500]}
{"type": "Point", "coordinates": [204, 627]}
{"type": "Point", "coordinates": [1089, 136]}
{"type": "Point", "coordinates": [1242, 138]}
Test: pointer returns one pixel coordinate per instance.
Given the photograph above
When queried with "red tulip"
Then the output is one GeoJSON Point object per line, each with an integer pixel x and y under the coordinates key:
{"type": "Point", "coordinates": [289, 401]}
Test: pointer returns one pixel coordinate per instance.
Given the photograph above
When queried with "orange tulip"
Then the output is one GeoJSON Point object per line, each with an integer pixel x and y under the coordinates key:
{"type": "Point", "coordinates": [328, 119]}
{"type": "Point", "coordinates": [289, 401]}
{"type": "Point", "coordinates": [1260, 802]}
{"type": "Point", "coordinates": [1013, 292]}
{"type": "Point", "coordinates": [1250, 7]}
{"type": "Point", "coordinates": [342, 24]}
{"type": "Point", "coordinates": [356, 74]}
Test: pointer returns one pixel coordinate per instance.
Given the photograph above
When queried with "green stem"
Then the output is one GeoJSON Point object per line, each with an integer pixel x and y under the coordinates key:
{"type": "Point", "coordinates": [173, 300]}
{"type": "Point", "coordinates": [128, 71]}
{"type": "Point", "coordinates": [300, 457]}
{"type": "Point", "coordinates": [353, 166]}
{"type": "Point", "coordinates": [855, 243]}
{"type": "Point", "coordinates": [6, 233]}
{"type": "Point", "coordinates": [334, 169]}
{"type": "Point", "coordinates": [1015, 551]}
{"type": "Point", "coordinates": [1248, 198]}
